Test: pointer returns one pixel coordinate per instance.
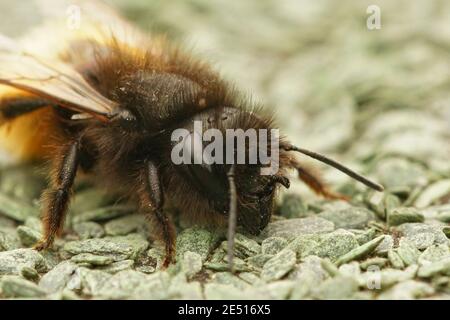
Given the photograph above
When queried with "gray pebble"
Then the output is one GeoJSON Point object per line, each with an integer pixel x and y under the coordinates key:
{"type": "Point", "coordinates": [11, 262]}
{"type": "Point", "coordinates": [28, 237]}
{"type": "Point", "coordinates": [88, 230]}
{"type": "Point", "coordinates": [295, 227]}
{"type": "Point", "coordinates": [349, 218]}
{"type": "Point", "coordinates": [279, 265]}
{"type": "Point", "coordinates": [404, 215]}
{"type": "Point", "coordinates": [17, 287]}
{"type": "Point", "coordinates": [273, 245]}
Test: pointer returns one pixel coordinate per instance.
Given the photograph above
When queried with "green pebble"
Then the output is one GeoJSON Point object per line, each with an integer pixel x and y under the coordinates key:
{"type": "Point", "coordinates": [196, 240]}
{"type": "Point", "coordinates": [279, 265]}
{"type": "Point", "coordinates": [17, 287]}
{"type": "Point", "coordinates": [28, 237]}
{"type": "Point", "coordinates": [360, 252]}
{"type": "Point", "coordinates": [273, 245]}
{"type": "Point", "coordinates": [408, 252]}
{"type": "Point", "coordinates": [404, 215]}
{"type": "Point", "coordinates": [15, 209]}
{"type": "Point", "coordinates": [395, 260]}
{"type": "Point", "coordinates": [92, 259]}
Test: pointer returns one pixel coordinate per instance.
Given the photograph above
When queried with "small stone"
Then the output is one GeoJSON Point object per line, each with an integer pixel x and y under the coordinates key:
{"type": "Point", "coordinates": [29, 273]}
{"type": "Point", "coordinates": [250, 278]}
{"type": "Point", "coordinates": [259, 260]}
{"type": "Point", "coordinates": [388, 277]}
{"type": "Point", "coordinates": [218, 291]}
{"type": "Point", "coordinates": [187, 291]}
{"type": "Point", "coordinates": [273, 245]}
{"type": "Point", "coordinates": [11, 262]}
{"type": "Point", "coordinates": [34, 223]}
{"type": "Point", "coordinates": [92, 281]}
{"type": "Point", "coordinates": [15, 209]}
{"type": "Point", "coordinates": [117, 248]}
{"type": "Point", "coordinates": [329, 245]}
{"type": "Point", "coordinates": [433, 193]}
{"type": "Point", "coordinates": [307, 280]}
{"type": "Point", "coordinates": [229, 278]}
{"type": "Point", "coordinates": [349, 218]}
{"type": "Point", "coordinates": [17, 287]}
{"type": "Point", "coordinates": [64, 275]}
{"type": "Point", "coordinates": [383, 203]}
{"type": "Point", "coordinates": [117, 251]}
{"type": "Point", "coordinates": [404, 215]}
{"type": "Point", "coordinates": [363, 236]}
{"type": "Point", "coordinates": [439, 212]}
{"type": "Point", "coordinates": [376, 261]}
{"type": "Point", "coordinates": [278, 290]}
{"type": "Point", "coordinates": [245, 247]}
{"type": "Point", "coordinates": [91, 259]}
{"type": "Point", "coordinates": [196, 240]}
{"type": "Point", "coordinates": [434, 253]}
{"type": "Point", "coordinates": [88, 230]}
{"type": "Point", "coordinates": [122, 284]}
{"type": "Point", "coordinates": [360, 252]}
{"type": "Point", "coordinates": [339, 287]}
{"type": "Point", "coordinates": [397, 173]}
{"type": "Point", "coordinates": [395, 259]}
{"type": "Point", "coordinates": [156, 255]}
{"type": "Point", "coordinates": [191, 264]}
{"type": "Point", "coordinates": [118, 266]}
{"type": "Point", "coordinates": [412, 229]}
{"type": "Point", "coordinates": [28, 236]}
{"type": "Point", "coordinates": [446, 231]}
{"type": "Point", "coordinates": [385, 246]}
{"type": "Point", "coordinates": [7, 223]}
{"type": "Point", "coordinates": [158, 287]}
{"type": "Point", "coordinates": [329, 267]}
{"type": "Point", "coordinates": [102, 214]}
{"type": "Point", "coordinates": [422, 240]}
{"type": "Point", "coordinates": [238, 265]}
{"type": "Point", "coordinates": [351, 269]}
{"type": "Point", "coordinates": [125, 225]}
{"type": "Point", "coordinates": [292, 228]}
{"type": "Point", "coordinates": [292, 206]}
{"type": "Point", "coordinates": [90, 199]}
{"type": "Point", "coordinates": [218, 254]}
{"type": "Point", "coordinates": [22, 182]}
{"type": "Point", "coordinates": [408, 252]}
{"type": "Point", "coordinates": [438, 267]}
{"type": "Point", "coordinates": [407, 290]}
{"type": "Point", "coordinates": [9, 240]}
{"type": "Point", "coordinates": [279, 265]}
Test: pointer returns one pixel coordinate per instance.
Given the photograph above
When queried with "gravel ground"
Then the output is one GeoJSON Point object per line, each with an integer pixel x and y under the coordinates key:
{"type": "Point", "coordinates": [377, 100]}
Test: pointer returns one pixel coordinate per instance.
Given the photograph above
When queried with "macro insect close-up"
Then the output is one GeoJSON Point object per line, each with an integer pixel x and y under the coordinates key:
{"type": "Point", "coordinates": [149, 121]}
{"type": "Point", "coordinates": [110, 105]}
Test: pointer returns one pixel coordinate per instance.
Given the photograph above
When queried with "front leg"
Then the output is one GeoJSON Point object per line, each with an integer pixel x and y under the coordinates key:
{"type": "Point", "coordinates": [56, 197]}
{"type": "Point", "coordinates": [151, 201]}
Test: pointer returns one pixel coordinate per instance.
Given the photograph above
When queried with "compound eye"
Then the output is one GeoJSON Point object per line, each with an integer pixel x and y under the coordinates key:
{"type": "Point", "coordinates": [125, 119]}
{"type": "Point", "coordinates": [126, 115]}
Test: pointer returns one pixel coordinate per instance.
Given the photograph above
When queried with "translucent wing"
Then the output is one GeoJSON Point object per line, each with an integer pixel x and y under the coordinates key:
{"type": "Point", "coordinates": [34, 62]}
{"type": "Point", "coordinates": [52, 80]}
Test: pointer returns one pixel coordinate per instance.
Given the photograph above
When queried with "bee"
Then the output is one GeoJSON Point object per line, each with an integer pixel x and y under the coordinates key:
{"type": "Point", "coordinates": [104, 100]}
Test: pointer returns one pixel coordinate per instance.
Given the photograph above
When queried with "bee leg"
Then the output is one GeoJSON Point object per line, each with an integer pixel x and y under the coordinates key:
{"type": "Point", "coordinates": [313, 180]}
{"type": "Point", "coordinates": [56, 197]}
{"type": "Point", "coordinates": [11, 108]}
{"type": "Point", "coordinates": [151, 204]}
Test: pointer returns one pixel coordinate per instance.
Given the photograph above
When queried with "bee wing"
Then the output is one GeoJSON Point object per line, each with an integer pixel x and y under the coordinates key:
{"type": "Point", "coordinates": [51, 79]}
